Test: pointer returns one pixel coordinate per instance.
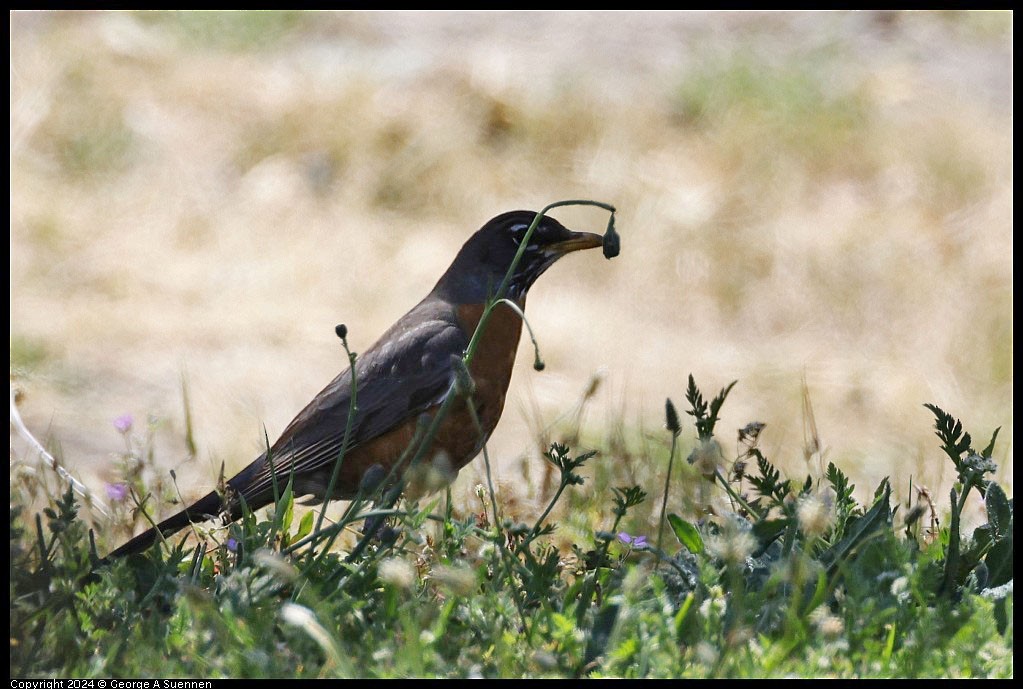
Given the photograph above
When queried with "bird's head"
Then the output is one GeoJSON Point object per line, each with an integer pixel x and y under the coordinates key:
{"type": "Point", "coordinates": [483, 261]}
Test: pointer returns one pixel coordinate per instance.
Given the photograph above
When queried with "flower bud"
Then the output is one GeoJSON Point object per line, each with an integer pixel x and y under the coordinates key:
{"type": "Point", "coordinates": [612, 242]}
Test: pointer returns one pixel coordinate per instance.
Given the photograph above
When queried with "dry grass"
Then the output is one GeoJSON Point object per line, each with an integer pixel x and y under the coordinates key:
{"type": "Point", "coordinates": [206, 195]}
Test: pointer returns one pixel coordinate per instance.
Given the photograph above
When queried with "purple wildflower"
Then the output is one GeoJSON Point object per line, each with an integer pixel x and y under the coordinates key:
{"type": "Point", "coordinates": [634, 541]}
{"type": "Point", "coordinates": [232, 545]}
{"type": "Point", "coordinates": [117, 491]}
{"type": "Point", "coordinates": [123, 423]}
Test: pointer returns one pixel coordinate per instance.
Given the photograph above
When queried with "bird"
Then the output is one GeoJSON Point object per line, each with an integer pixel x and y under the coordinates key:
{"type": "Point", "coordinates": [406, 374]}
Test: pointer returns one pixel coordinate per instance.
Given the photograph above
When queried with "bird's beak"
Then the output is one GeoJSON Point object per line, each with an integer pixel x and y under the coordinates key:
{"type": "Point", "coordinates": [576, 241]}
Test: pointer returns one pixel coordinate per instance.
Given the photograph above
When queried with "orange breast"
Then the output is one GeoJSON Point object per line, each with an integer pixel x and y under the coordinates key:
{"type": "Point", "coordinates": [458, 436]}
{"type": "Point", "coordinates": [492, 364]}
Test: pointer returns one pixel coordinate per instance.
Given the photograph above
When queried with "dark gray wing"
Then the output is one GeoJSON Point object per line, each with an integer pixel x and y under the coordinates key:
{"type": "Point", "coordinates": [405, 373]}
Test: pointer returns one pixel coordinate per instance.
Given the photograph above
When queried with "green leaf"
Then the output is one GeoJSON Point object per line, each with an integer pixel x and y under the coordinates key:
{"type": "Point", "coordinates": [705, 419]}
{"type": "Point", "coordinates": [950, 431]}
{"type": "Point", "coordinates": [999, 562]}
{"type": "Point", "coordinates": [682, 617]}
{"type": "Point", "coordinates": [769, 483]}
{"type": "Point", "coordinates": [603, 625]}
{"type": "Point", "coordinates": [767, 531]}
{"type": "Point", "coordinates": [288, 503]}
{"type": "Point", "coordinates": [987, 451]}
{"type": "Point", "coordinates": [686, 533]}
{"type": "Point", "coordinates": [305, 527]}
{"type": "Point", "coordinates": [951, 581]}
{"type": "Point", "coordinates": [860, 528]}
{"type": "Point", "coordinates": [820, 592]}
{"type": "Point", "coordinates": [999, 513]}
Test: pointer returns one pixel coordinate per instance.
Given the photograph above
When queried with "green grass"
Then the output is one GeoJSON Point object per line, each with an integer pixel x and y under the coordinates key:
{"type": "Point", "coordinates": [800, 106]}
{"type": "Point", "coordinates": [231, 30]}
{"type": "Point", "coordinates": [838, 217]}
{"type": "Point", "coordinates": [27, 353]}
{"type": "Point", "coordinates": [784, 578]}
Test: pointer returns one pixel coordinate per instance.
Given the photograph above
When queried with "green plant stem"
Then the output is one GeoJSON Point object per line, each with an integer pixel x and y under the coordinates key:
{"type": "Point", "coordinates": [499, 539]}
{"type": "Point", "coordinates": [565, 483]}
{"type": "Point", "coordinates": [735, 496]}
{"type": "Point", "coordinates": [352, 406]}
{"type": "Point", "coordinates": [590, 586]}
{"type": "Point", "coordinates": [470, 351]}
{"type": "Point", "coordinates": [667, 487]}
{"type": "Point", "coordinates": [515, 307]}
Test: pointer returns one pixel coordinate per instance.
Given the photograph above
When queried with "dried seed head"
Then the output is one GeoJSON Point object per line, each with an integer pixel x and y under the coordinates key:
{"type": "Point", "coordinates": [671, 416]}
{"type": "Point", "coordinates": [751, 432]}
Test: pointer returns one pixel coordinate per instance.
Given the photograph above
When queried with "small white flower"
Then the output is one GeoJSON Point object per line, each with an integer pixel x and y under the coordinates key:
{"type": "Point", "coordinates": [396, 572]}
{"type": "Point", "coordinates": [707, 653]}
{"type": "Point", "coordinates": [732, 546]}
{"type": "Point", "coordinates": [827, 624]}
{"type": "Point", "coordinates": [304, 619]}
{"type": "Point", "coordinates": [707, 457]}
{"type": "Point", "coordinates": [900, 588]}
{"type": "Point", "coordinates": [815, 514]}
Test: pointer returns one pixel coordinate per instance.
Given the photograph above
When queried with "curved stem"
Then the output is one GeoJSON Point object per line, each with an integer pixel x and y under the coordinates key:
{"type": "Point", "coordinates": [735, 496]}
{"type": "Point", "coordinates": [470, 351]}
{"type": "Point", "coordinates": [538, 361]}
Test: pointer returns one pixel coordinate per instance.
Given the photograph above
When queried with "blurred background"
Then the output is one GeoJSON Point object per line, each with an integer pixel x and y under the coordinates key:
{"type": "Point", "coordinates": [201, 197]}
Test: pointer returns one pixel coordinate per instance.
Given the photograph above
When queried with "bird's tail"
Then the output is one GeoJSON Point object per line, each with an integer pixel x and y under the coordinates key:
{"type": "Point", "coordinates": [197, 511]}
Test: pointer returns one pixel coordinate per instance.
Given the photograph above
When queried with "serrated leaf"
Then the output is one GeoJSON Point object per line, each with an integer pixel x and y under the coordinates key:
{"type": "Point", "coordinates": [686, 533]}
{"type": "Point", "coordinates": [769, 484]}
{"type": "Point", "coordinates": [843, 488]}
{"type": "Point", "coordinates": [950, 430]}
{"type": "Point", "coordinates": [807, 485]}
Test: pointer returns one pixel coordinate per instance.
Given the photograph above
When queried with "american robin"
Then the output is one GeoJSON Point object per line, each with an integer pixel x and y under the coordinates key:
{"type": "Point", "coordinates": [407, 373]}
